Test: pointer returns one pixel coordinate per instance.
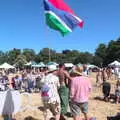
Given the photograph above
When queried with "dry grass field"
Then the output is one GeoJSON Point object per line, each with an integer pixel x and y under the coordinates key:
{"type": "Point", "coordinates": [97, 108]}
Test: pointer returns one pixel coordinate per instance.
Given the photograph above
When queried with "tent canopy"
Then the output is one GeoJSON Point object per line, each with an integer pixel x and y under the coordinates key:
{"type": "Point", "coordinates": [6, 66]}
{"type": "Point", "coordinates": [30, 63]}
{"type": "Point", "coordinates": [92, 66]}
{"type": "Point", "coordinates": [115, 64]}
{"type": "Point", "coordinates": [68, 64]}
{"type": "Point", "coordinates": [52, 63]}
{"type": "Point", "coordinates": [41, 64]}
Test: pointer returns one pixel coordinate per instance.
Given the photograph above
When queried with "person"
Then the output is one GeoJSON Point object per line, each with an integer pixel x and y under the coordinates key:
{"type": "Point", "coordinates": [98, 77]}
{"type": "Point", "coordinates": [79, 93]}
{"type": "Point", "coordinates": [17, 82]}
{"type": "Point", "coordinates": [49, 93]}
{"type": "Point", "coordinates": [116, 72]}
{"type": "Point", "coordinates": [117, 91]}
{"type": "Point", "coordinates": [104, 74]}
{"type": "Point", "coordinates": [109, 73]}
{"type": "Point", "coordinates": [64, 78]}
{"type": "Point", "coordinates": [106, 87]}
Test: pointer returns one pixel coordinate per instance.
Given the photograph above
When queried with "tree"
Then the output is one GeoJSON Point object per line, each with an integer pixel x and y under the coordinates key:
{"type": "Point", "coordinates": [12, 55]}
{"type": "Point", "coordinates": [60, 58]}
{"type": "Point", "coordinates": [113, 51]}
{"type": "Point", "coordinates": [3, 57]}
{"type": "Point", "coordinates": [84, 58]}
{"type": "Point", "coordinates": [47, 54]}
{"type": "Point", "coordinates": [30, 54]}
{"type": "Point", "coordinates": [20, 61]}
{"type": "Point", "coordinates": [70, 55]}
{"type": "Point", "coordinates": [101, 53]}
{"type": "Point", "coordinates": [98, 61]}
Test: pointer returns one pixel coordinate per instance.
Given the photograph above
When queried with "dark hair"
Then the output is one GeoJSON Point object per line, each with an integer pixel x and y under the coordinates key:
{"type": "Point", "coordinates": [52, 118]}
{"type": "Point", "coordinates": [61, 65]}
{"type": "Point", "coordinates": [30, 118]}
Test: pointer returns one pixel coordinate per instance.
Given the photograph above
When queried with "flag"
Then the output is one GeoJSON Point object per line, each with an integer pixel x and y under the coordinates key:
{"type": "Point", "coordinates": [60, 16]}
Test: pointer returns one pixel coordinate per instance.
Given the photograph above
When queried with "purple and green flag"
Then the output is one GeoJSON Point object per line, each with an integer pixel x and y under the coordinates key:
{"type": "Point", "coordinates": [60, 17]}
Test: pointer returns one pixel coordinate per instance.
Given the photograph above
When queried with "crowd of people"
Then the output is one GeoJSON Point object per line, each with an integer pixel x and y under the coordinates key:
{"type": "Point", "coordinates": [104, 77]}
{"type": "Point", "coordinates": [26, 80]}
{"type": "Point", "coordinates": [59, 88]}
{"type": "Point", "coordinates": [62, 88]}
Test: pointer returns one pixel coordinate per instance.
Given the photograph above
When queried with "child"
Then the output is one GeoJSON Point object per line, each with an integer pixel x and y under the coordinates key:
{"type": "Point", "coordinates": [117, 92]}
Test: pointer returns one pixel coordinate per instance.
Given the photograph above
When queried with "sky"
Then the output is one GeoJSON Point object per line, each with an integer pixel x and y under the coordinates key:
{"type": "Point", "coordinates": [22, 25]}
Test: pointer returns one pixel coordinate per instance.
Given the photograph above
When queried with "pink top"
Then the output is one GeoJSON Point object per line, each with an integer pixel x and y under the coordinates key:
{"type": "Point", "coordinates": [80, 88]}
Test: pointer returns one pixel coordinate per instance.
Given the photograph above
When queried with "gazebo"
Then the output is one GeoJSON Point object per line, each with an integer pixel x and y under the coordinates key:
{"type": "Point", "coordinates": [6, 66]}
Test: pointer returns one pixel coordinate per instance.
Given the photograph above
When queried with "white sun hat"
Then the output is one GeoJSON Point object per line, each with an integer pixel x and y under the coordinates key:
{"type": "Point", "coordinates": [52, 68]}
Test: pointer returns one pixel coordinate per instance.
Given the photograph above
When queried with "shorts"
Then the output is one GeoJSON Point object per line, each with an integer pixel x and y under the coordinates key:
{"type": "Point", "coordinates": [117, 93]}
{"type": "Point", "coordinates": [106, 94]}
{"type": "Point", "coordinates": [53, 107]}
{"type": "Point", "coordinates": [77, 107]}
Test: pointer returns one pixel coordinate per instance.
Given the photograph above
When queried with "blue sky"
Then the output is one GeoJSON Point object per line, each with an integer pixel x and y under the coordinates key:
{"type": "Point", "coordinates": [22, 25]}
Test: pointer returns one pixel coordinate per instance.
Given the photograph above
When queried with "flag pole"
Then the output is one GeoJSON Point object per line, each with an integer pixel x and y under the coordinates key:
{"type": "Point", "coordinates": [48, 43]}
{"type": "Point", "coordinates": [49, 55]}
{"type": "Point", "coordinates": [49, 52]}
{"type": "Point", "coordinates": [64, 23]}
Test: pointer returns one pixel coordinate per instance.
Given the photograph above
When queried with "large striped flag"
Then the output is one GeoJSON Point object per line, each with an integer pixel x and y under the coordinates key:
{"type": "Point", "coordinates": [60, 17]}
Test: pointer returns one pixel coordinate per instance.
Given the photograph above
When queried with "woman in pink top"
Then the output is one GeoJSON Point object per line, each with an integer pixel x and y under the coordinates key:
{"type": "Point", "coordinates": [79, 91]}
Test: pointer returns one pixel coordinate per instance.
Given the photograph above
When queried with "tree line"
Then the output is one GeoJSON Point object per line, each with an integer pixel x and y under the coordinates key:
{"type": "Point", "coordinates": [104, 54]}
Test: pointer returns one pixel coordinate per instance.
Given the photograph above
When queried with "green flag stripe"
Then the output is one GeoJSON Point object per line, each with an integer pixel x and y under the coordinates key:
{"type": "Point", "coordinates": [54, 22]}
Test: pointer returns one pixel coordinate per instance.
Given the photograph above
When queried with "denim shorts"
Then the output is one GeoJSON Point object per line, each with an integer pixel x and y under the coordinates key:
{"type": "Point", "coordinates": [77, 107]}
{"type": "Point", "coordinates": [118, 93]}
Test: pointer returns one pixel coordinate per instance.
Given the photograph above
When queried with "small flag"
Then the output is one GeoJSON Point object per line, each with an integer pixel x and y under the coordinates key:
{"type": "Point", "coordinates": [60, 17]}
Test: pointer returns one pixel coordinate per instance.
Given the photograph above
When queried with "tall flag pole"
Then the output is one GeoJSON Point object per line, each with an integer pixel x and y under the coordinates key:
{"type": "Point", "coordinates": [60, 17]}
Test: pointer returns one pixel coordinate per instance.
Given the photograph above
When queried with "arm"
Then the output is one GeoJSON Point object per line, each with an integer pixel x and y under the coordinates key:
{"type": "Point", "coordinates": [68, 78]}
{"type": "Point", "coordinates": [90, 85]}
{"type": "Point", "coordinates": [100, 85]}
{"type": "Point", "coordinates": [67, 75]}
{"type": "Point", "coordinates": [72, 90]}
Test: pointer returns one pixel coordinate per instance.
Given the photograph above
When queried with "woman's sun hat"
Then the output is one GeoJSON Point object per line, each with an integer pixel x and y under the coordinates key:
{"type": "Point", "coordinates": [78, 70]}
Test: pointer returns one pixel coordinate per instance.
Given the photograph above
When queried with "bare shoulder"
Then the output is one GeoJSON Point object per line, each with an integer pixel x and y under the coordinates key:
{"type": "Point", "coordinates": [66, 73]}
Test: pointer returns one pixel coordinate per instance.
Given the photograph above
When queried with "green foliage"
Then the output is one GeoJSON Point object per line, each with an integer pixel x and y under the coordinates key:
{"type": "Point", "coordinates": [30, 54]}
{"type": "Point", "coordinates": [20, 61]}
{"type": "Point", "coordinates": [104, 54]}
{"type": "Point", "coordinates": [12, 55]}
{"type": "Point", "coordinates": [70, 55]}
{"type": "Point", "coordinates": [47, 55]}
{"type": "Point", "coordinates": [113, 51]}
{"type": "Point", "coordinates": [98, 61]}
{"type": "Point", "coordinates": [84, 58]}
{"type": "Point", "coordinates": [3, 57]}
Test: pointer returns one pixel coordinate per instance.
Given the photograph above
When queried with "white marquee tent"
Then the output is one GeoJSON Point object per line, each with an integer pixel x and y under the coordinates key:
{"type": "Point", "coordinates": [92, 66]}
{"type": "Point", "coordinates": [6, 66]}
{"type": "Point", "coordinates": [115, 64]}
{"type": "Point", "coordinates": [68, 64]}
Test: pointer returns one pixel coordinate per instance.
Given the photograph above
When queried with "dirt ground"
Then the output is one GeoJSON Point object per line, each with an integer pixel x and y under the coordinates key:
{"type": "Point", "coordinates": [97, 107]}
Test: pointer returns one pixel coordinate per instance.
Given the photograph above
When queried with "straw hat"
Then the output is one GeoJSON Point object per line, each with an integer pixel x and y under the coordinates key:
{"type": "Point", "coordinates": [78, 70]}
